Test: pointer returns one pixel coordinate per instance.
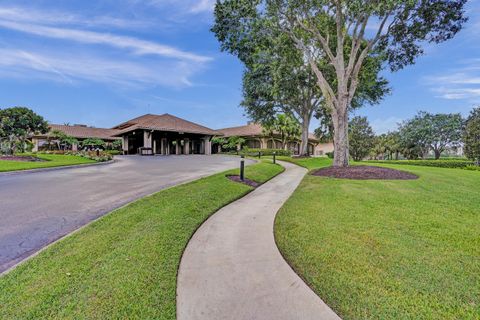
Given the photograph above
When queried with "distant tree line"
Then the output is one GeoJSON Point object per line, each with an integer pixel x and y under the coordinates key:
{"type": "Point", "coordinates": [417, 138]}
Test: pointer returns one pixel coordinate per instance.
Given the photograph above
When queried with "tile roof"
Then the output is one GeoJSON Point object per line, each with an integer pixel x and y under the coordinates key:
{"type": "Point", "coordinates": [164, 122]}
{"type": "Point", "coordinates": [251, 130]}
{"type": "Point", "coordinates": [83, 132]}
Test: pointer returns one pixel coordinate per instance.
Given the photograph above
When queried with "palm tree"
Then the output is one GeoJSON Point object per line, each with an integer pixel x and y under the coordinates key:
{"type": "Point", "coordinates": [288, 129]}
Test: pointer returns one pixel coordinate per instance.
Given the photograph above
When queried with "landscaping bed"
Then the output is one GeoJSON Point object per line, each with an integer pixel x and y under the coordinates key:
{"type": "Point", "coordinates": [124, 265]}
{"type": "Point", "coordinates": [364, 173]}
{"type": "Point", "coordinates": [21, 158]}
{"type": "Point", "coordinates": [246, 181]}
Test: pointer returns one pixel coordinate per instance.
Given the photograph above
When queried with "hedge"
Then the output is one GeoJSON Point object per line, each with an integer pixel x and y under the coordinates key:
{"type": "Point", "coordinates": [265, 152]}
{"type": "Point", "coordinates": [473, 168]}
{"type": "Point", "coordinates": [458, 163]}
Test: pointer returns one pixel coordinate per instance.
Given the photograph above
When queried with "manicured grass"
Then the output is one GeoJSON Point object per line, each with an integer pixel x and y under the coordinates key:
{"type": "Point", "coordinates": [388, 249]}
{"type": "Point", "coordinates": [51, 160]}
{"type": "Point", "coordinates": [124, 265]}
{"type": "Point", "coordinates": [309, 163]}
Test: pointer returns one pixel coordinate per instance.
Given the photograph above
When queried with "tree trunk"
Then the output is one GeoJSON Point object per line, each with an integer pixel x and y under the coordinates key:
{"type": "Point", "coordinates": [340, 137]}
{"type": "Point", "coordinates": [437, 154]}
{"type": "Point", "coordinates": [305, 127]}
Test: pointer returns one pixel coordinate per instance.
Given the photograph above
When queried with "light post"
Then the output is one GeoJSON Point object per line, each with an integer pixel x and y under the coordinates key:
{"type": "Point", "coordinates": [274, 159]}
{"type": "Point", "coordinates": [242, 168]}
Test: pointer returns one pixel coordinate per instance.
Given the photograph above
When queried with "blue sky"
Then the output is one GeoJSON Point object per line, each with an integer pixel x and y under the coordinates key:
{"type": "Point", "coordinates": [103, 62]}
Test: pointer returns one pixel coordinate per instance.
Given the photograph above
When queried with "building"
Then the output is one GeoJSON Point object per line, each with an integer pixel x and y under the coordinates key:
{"type": "Point", "coordinates": [255, 138]}
{"type": "Point", "coordinates": [78, 131]}
{"type": "Point", "coordinates": [166, 134]}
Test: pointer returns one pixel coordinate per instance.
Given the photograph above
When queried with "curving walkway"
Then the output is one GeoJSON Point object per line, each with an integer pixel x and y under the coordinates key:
{"type": "Point", "coordinates": [232, 269]}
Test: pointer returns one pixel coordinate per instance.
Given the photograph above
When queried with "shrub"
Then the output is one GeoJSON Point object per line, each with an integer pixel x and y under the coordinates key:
{"type": "Point", "coordinates": [473, 168]}
{"type": "Point", "coordinates": [451, 163]}
{"type": "Point", "coordinates": [330, 154]}
{"type": "Point", "coordinates": [265, 152]}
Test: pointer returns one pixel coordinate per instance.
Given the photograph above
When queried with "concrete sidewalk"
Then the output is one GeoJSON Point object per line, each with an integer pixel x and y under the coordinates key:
{"type": "Point", "coordinates": [232, 269]}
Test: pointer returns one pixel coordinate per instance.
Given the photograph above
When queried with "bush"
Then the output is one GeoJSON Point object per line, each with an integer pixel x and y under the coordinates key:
{"type": "Point", "coordinates": [330, 155]}
{"type": "Point", "coordinates": [265, 152]}
{"type": "Point", "coordinates": [450, 163]}
{"type": "Point", "coordinates": [473, 168]}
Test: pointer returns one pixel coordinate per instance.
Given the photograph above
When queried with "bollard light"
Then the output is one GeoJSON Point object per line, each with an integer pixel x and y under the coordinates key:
{"type": "Point", "coordinates": [259, 154]}
{"type": "Point", "coordinates": [242, 168]}
{"type": "Point", "coordinates": [274, 160]}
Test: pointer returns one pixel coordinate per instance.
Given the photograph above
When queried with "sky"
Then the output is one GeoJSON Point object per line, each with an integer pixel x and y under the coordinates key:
{"type": "Point", "coordinates": [103, 62]}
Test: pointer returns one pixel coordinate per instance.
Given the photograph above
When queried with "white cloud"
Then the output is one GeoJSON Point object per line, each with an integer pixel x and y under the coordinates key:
{"type": "Point", "coordinates": [99, 56]}
{"type": "Point", "coordinates": [69, 68]}
{"type": "Point", "coordinates": [203, 6]}
{"type": "Point", "coordinates": [462, 83]}
{"type": "Point", "coordinates": [138, 46]}
{"type": "Point", "coordinates": [55, 17]}
{"type": "Point", "coordinates": [385, 125]}
{"type": "Point", "coordinates": [184, 6]}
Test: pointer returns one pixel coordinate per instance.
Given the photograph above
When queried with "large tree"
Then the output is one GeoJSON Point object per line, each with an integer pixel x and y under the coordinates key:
{"type": "Point", "coordinates": [361, 138]}
{"type": "Point", "coordinates": [277, 78]}
{"type": "Point", "coordinates": [17, 125]}
{"type": "Point", "coordinates": [346, 33]}
{"type": "Point", "coordinates": [435, 132]}
{"type": "Point", "coordinates": [472, 136]}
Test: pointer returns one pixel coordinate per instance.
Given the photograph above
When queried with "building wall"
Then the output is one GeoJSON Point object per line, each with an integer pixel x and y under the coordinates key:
{"type": "Point", "coordinates": [321, 149]}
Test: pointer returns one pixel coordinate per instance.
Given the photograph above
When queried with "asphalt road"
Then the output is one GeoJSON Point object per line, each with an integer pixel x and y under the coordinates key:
{"type": "Point", "coordinates": [39, 208]}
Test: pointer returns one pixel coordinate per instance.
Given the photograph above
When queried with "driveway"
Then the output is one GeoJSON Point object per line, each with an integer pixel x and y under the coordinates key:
{"type": "Point", "coordinates": [39, 208]}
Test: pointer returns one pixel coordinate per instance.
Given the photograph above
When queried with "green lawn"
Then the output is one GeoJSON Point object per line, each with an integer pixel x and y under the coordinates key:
{"type": "Point", "coordinates": [51, 160]}
{"type": "Point", "coordinates": [388, 249]}
{"type": "Point", "coordinates": [124, 265]}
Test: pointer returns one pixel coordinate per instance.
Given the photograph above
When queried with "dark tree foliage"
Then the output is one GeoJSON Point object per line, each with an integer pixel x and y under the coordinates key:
{"type": "Point", "coordinates": [361, 138]}
{"type": "Point", "coordinates": [427, 131]}
{"type": "Point", "coordinates": [471, 136]}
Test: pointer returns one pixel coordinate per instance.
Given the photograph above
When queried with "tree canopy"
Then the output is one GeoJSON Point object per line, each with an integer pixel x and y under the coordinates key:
{"type": "Point", "coordinates": [435, 132]}
{"type": "Point", "coordinates": [472, 136]}
{"type": "Point", "coordinates": [336, 39]}
{"type": "Point", "coordinates": [18, 124]}
{"type": "Point", "coordinates": [361, 138]}
{"type": "Point", "coordinates": [276, 78]}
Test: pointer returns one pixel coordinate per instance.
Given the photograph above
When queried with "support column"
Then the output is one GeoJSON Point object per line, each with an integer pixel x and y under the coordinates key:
{"type": "Point", "coordinates": [162, 146]}
{"type": "Point", "coordinates": [125, 144]}
{"type": "Point", "coordinates": [177, 147]}
{"type": "Point", "coordinates": [74, 147]}
{"type": "Point", "coordinates": [35, 145]}
{"type": "Point", "coordinates": [147, 139]}
{"type": "Point", "coordinates": [186, 145]}
{"type": "Point", "coordinates": [207, 146]}
{"type": "Point", "coordinates": [154, 146]}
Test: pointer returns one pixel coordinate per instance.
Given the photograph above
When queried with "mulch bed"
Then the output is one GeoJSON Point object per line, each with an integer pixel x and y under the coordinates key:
{"type": "Point", "coordinates": [248, 182]}
{"type": "Point", "coordinates": [364, 173]}
{"type": "Point", "coordinates": [21, 158]}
